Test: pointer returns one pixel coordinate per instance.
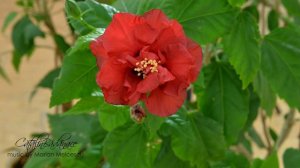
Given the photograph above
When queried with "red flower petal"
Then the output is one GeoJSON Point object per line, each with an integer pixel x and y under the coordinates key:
{"type": "Point", "coordinates": [156, 19]}
{"type": "Point", "coordinates": [111, 79]}
{"type": "Point", "coordinates": [162, 104]}
{"type": "Point", "coordinates": [153, 80]}
{"type": "Point", "coordinates": [180, 62]}
{"type": "Point", "coordinates": [118, 36]}
{"type": "Point", "coordinates": [196, 51]}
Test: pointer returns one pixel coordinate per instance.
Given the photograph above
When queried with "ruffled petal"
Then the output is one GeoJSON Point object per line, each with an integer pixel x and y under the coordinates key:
{"type": "Point", "coordinates": [156, 19]}
{"type": "Point", "coordinates": [119, 35]}
{"type": "Point", "coordinates": [111, 80]}
{"type": "Point", "coordinates": [174, 88]}
{"type": "Point", "coordinates": [196, 52]}
{"type": "Point", "coordinates": [163, 105]}
{"type": "Point", "coordinates": [148, 84]}
{"type": "Point", "coordinates": [180, 62]}
{"type": "Point", "coordinates": [131, 82]}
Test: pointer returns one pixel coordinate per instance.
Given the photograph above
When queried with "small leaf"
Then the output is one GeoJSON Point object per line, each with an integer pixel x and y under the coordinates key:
{"type": "Point", "coordinates": [94, 14]}
{"type": "Point", "coordinates": [23, 35]}
{"type": "Point", "coordinates": [256, 137]}
{"type": "Point", "coordinates": [61, 43]}
{"type": "Point", "coordinates": [273, 20]}
{"type": "Point", "coordinates": [242, 47]}
{"type": "Point", "coordinates": [291, 158]}
{"type": "Point", "coordinates": [127, 147]}
{"type": "Point", "coordinates": [9, 18]}
{"type": "Point", "coordinates": [273, 134]}
{"type": "Point", "coordinates": [3, 74]}
{"type": "Point", "coordinates": [46, 82]}
{"type": "Point", "coordinates": [72, 9]}
{"type": "Point", "coordinates": [86, 105]}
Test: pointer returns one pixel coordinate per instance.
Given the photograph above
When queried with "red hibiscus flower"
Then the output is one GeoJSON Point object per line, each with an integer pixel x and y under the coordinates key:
{"type": "Point", "coordinates": [146, 58]}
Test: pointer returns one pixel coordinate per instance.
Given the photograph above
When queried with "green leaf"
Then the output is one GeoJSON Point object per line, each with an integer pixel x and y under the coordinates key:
{"type": "Point", "coordinates": [153, 124]}
{"type": "Point", "coordinates": [292, 7]}
{"type": "Point", "coordinates": [87, 157]}
{"type": "Point", "coordinates": [86, 105]}
{"type": "Point", "coordinates": [232, 160]}
{"type": "Point", "coordinates": [9, 18]}
{"type": "Point", "coordinates": [224, 100]}
{"type": "Point", "coordinates": [280, 57]}
{"type": "Point", "coordinates": [167, 158]}
{"type": "Point", "coordinates": [72, 9]}
{"type": "Point", "coordinates": [271, 161]}
{"type": "Point", "coordinates": [253, 108]}
{"type": "Point", "coordinates": [93, 15]}
{"type": "Point", "coordinates": [61, 43]}
{"type": "Point", "coordinates": [273, 20]}
{"type": "Point", "coordinates": [273, 134]}
{"type": "Point", "coordinates": [203, 21]}
{"type": "Point", "coordinates": [3, 74]}
{"type": "Point", "coordinates": [197, 139]}
{"type": "Point", "coordinates": [113, 116]}
{"type": "Point", "coordinates": [291, 158]}
{"type": "Point", "coordinates": [83, 42]}
{"type": "Point", "coordinates": [246, 143]}
{"type": "Point", "coordinates": [23, 35]}
{"type": "Point", "coordinates": [46, 156]}
{"type": "Point", "coordinates": [236, 3]}
{"type": "Point", "coordinates": [46, 82]}
{"type": "Point", "coordinates": [84, 129]}
{"type": "Point", "coordinates": [78, 73]}
{"type": "Point", "coordinates": [265, 93]}
{"type": "Point", "coordinates": [256, 137]}
{"type": "Point", "coordinates": [242, 47]}
{"type": "Point", "coordinates": [256, 163]}
{"type": "Point", "coordinates": [253, 11]}
{"type": "Point", "coordinates": [126, 146]}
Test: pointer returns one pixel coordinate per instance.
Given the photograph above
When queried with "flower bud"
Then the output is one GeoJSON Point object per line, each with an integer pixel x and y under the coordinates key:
{"type": "Point", "coordinates": [137, 113]}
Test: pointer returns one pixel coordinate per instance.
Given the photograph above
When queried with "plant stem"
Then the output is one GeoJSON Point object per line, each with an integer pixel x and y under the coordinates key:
{"type": "Point", "coordinates": [208, 54]}
{"type": "Point", "coordinates": [263, 18]}
{"type": "Point", "coordinates": [58, 53]}
{"type": "Point", "coordinates": [266, 132]}
{"type": "Point", "coordinates": [286, 129]}
{"type": "Point", "coordinates": [242, 150]}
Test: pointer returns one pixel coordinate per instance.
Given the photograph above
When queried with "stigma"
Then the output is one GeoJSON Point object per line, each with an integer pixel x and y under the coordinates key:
{"type": "Point", "coordinates": [146, 66]}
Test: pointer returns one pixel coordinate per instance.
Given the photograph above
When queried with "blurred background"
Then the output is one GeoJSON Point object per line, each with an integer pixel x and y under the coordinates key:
{"type": "Point", "coordinates": [20, 117]}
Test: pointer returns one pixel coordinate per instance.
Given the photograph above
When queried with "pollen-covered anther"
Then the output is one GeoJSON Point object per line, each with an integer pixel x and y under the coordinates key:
{"type": "Point", "coordinates": [145, 66]}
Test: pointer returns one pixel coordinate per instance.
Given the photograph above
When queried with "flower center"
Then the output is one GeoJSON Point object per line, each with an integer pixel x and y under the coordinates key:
{"type": "Point", "coordinates": [146, 66]}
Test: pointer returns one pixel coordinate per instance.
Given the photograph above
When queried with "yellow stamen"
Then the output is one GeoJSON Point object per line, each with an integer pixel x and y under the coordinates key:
{"type": "Point", "coordinates": [142, 66]}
